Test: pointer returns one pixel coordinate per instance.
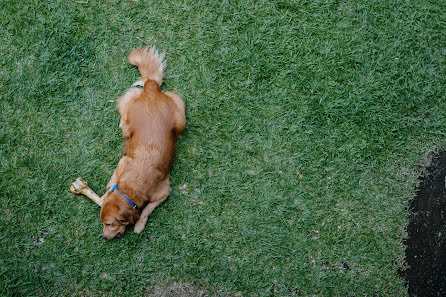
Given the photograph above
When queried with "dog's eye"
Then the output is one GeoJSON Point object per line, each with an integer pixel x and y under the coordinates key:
{"type": "Point", "coordinates": [107, 224]}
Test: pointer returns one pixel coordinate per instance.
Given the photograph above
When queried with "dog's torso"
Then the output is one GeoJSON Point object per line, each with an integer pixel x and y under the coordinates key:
{"type": "Point", "coordinates": [150, 149]}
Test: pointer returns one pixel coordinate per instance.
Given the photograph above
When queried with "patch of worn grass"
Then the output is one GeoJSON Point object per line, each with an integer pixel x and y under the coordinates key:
{"type": "Point", "coordinates": [306, 121]}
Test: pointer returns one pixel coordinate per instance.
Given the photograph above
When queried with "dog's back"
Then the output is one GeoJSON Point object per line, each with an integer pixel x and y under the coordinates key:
{"type": "Point", "coordinates": [148, 119]}
{"type": "Point", "coordinates": [151, 120]}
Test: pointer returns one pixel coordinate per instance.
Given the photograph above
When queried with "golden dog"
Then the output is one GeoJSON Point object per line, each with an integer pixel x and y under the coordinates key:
{"type": "Point", "coordinates": [150, 119]}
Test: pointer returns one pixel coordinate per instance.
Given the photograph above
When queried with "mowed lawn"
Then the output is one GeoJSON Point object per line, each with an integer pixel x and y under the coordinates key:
{"type": "Point", "coordinates": [308, 122]}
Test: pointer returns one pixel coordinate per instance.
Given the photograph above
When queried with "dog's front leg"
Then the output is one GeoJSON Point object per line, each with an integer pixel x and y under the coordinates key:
{"type": "Point", "coordinates": [114, 178]}
{"type": "Point", "coordinates": [141, 222]}
{"type": "Point", "coordinates": [159, 196]}
{"type": "Point", "coordinates": [113, 181]}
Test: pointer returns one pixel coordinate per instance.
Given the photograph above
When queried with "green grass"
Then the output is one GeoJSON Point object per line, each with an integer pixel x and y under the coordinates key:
{"type": "Point", "coordinates": [307, 121]}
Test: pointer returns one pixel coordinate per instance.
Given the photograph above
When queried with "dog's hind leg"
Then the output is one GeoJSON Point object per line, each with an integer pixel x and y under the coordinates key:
{"type": "Point", "coordinates": [123, 104]}
{"type": "Point", "coordinates": [162, 192]}
{"type": "Point", "coordinates": [180, 112]}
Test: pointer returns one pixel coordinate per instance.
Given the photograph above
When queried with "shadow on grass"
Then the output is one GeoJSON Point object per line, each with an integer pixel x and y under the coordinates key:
{"type": "Point", "coordinates": [426, 243]}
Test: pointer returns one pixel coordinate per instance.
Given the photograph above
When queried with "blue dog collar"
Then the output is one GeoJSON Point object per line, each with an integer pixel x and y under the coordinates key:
{"type": "Point", "coordinates": [130, 201]}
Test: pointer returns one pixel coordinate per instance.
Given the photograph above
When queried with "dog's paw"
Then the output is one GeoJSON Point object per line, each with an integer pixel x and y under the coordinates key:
{"type": "Point", "coordinates": [139, 227]}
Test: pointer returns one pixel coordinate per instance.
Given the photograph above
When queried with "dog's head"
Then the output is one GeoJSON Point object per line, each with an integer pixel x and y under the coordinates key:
{"type": "Point", "coordinates": [116, 214]}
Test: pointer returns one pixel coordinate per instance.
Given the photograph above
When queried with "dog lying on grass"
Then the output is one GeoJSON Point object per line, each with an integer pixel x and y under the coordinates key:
{"type": "Point", "coordinates": [150, 120]}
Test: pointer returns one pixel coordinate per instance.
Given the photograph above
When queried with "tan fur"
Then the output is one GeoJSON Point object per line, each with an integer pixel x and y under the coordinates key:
{"type": "Point", "coordinates": [149, 62]}
{"type": "Point", "coordinates": [123, 103]}
{"type": "Point", "coordinates": [150, 119]}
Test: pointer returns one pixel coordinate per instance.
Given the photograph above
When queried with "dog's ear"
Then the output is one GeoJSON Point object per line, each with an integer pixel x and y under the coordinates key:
{"type": "Point", "coordinates": [128, 216]}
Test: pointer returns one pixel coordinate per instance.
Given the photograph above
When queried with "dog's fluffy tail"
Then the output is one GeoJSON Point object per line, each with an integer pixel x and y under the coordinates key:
{"type": "Point", "coordinates": [150, 63]}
